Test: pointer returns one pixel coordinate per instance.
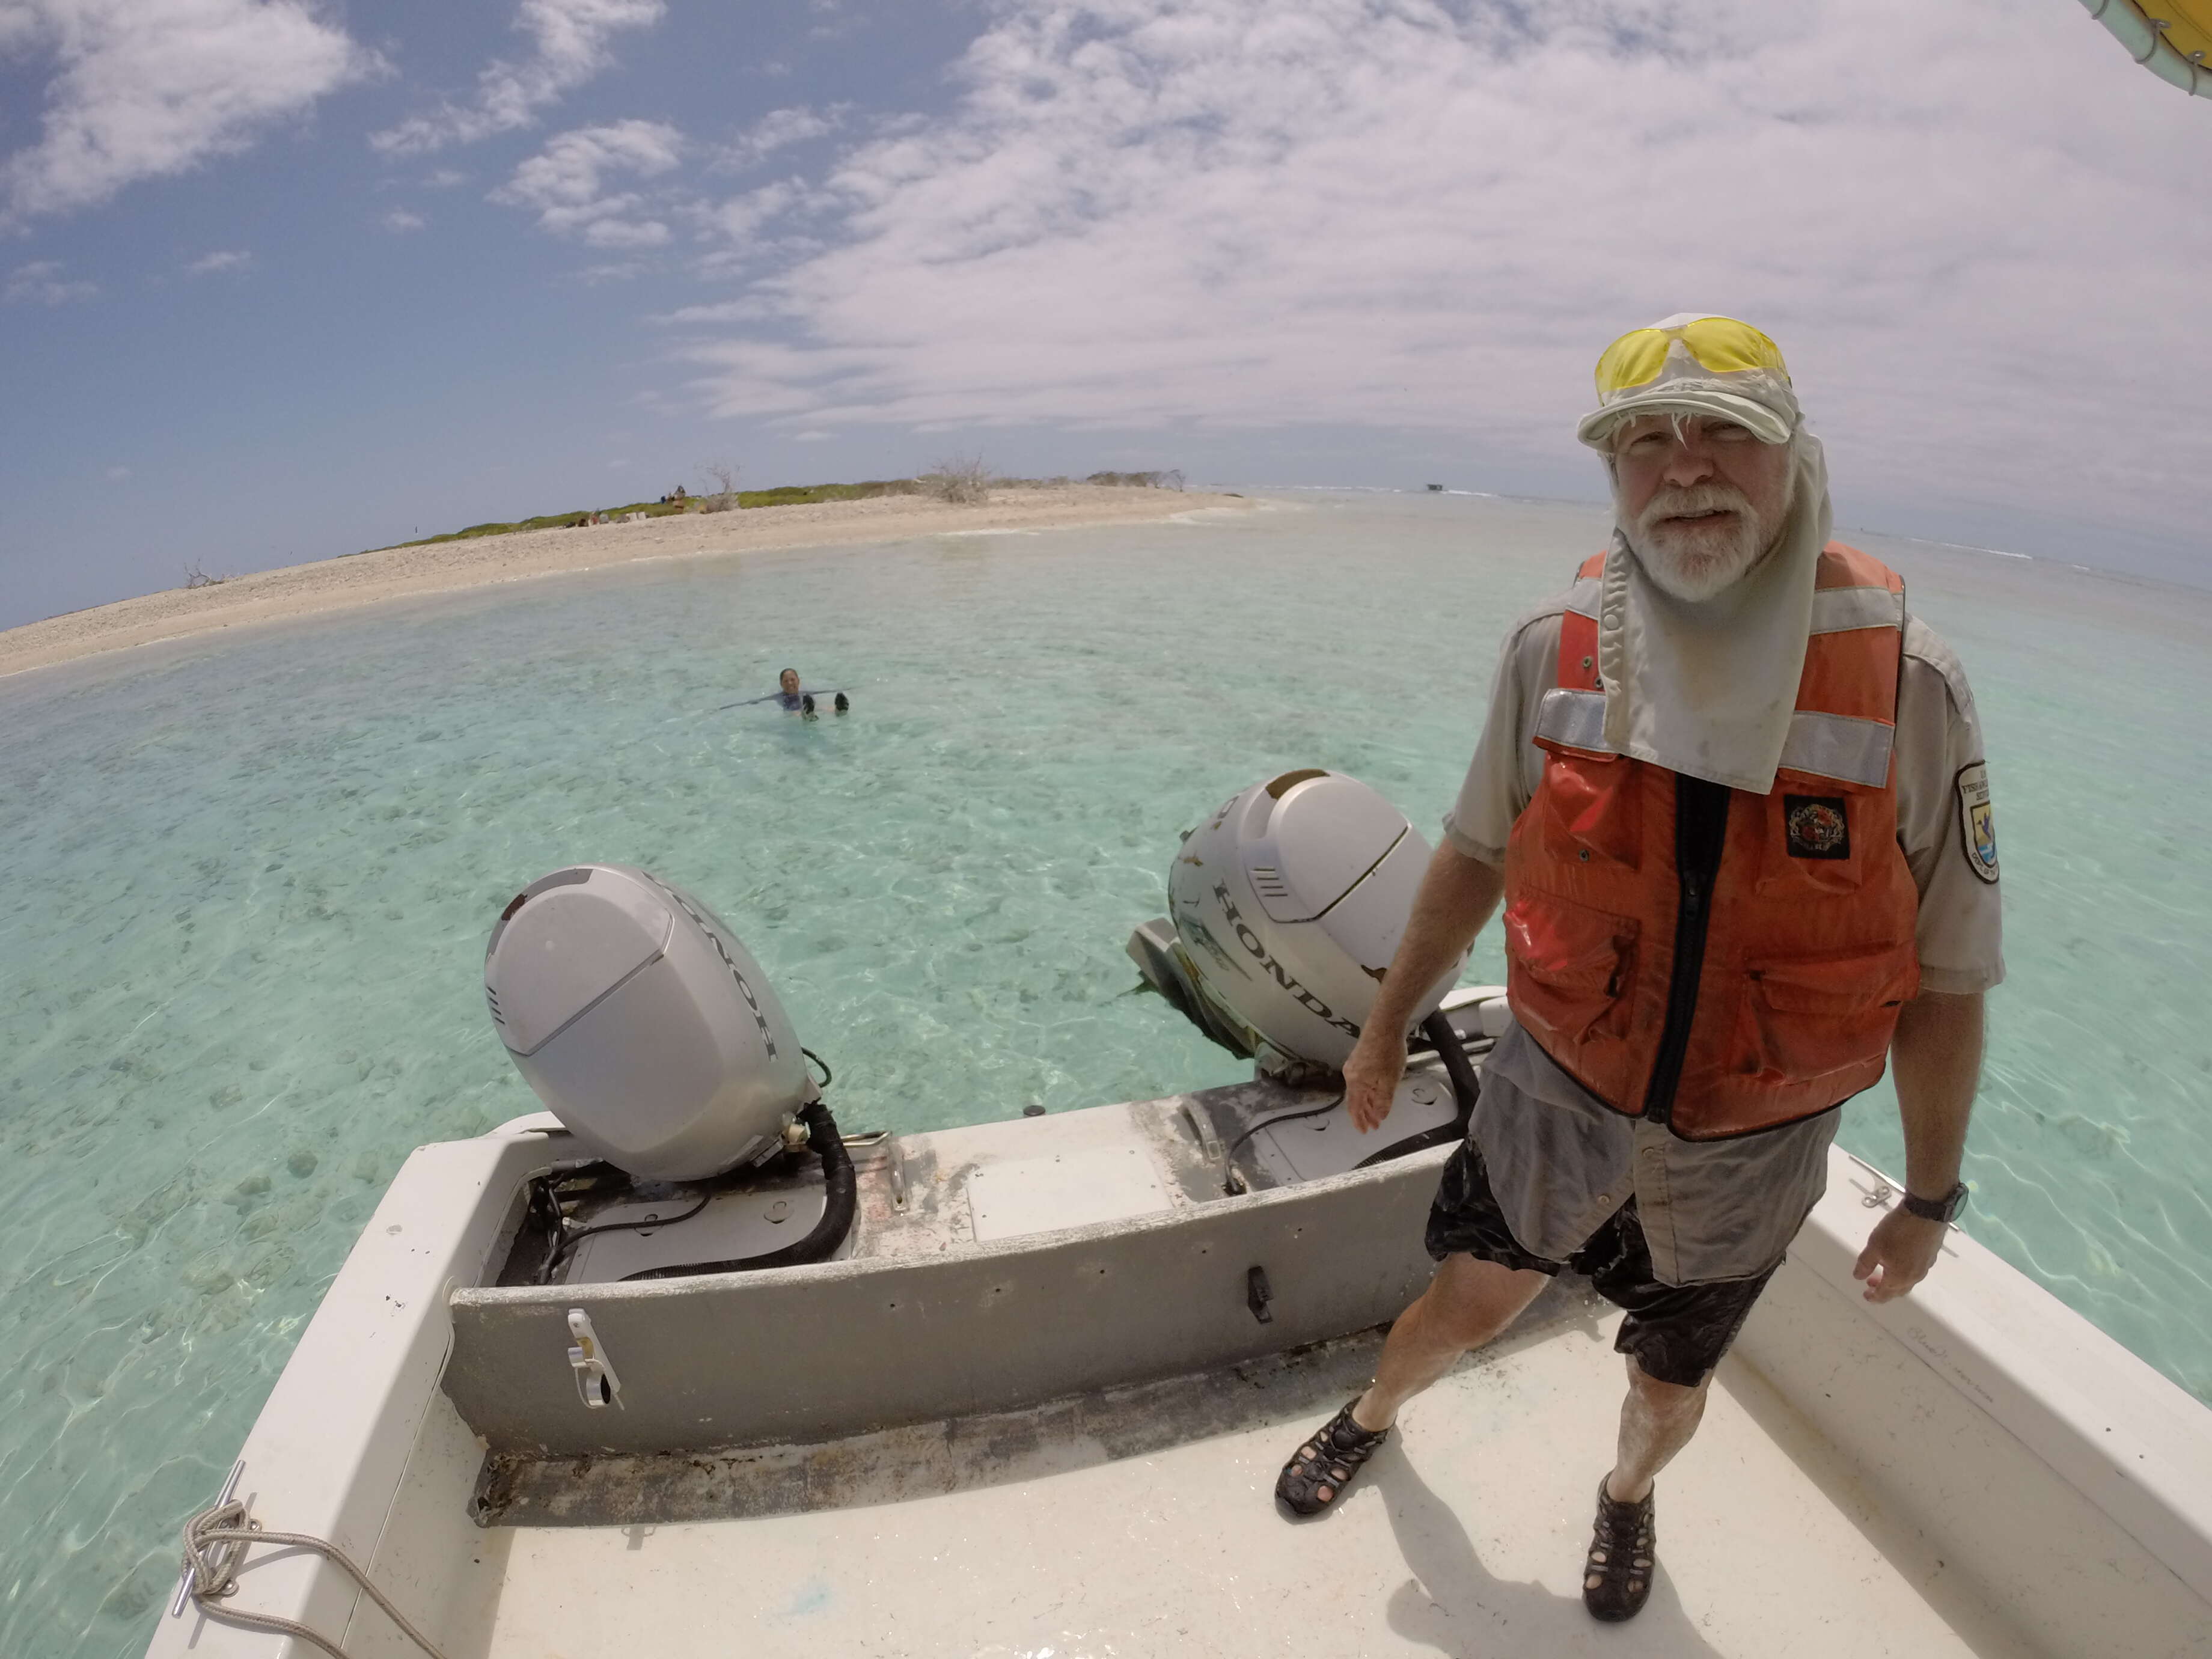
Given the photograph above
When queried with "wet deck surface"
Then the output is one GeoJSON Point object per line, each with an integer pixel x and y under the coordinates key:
{"type": "Point", "coordinates": [1145, 1524]}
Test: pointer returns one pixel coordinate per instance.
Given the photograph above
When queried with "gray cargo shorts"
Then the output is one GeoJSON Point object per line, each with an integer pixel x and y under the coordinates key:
{"type": "Point", "coordinates": [1675, 1333]}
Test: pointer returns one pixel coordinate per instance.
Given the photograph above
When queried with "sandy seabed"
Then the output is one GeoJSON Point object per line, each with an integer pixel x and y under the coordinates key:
{"type": "Point", "coordinates": [302, 590]}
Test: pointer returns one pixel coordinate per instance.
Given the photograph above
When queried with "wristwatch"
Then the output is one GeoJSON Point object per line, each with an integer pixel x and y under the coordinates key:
{"type": "Point", "coordinates": [1937, 1209]}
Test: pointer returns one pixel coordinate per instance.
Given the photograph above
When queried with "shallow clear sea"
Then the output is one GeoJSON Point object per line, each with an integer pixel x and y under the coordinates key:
{"type": "Point", "coordinates": [250, 877]}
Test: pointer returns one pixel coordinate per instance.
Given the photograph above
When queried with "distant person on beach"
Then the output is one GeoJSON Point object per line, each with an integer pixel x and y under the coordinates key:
{"type": "Point", "coordinates": [1732, 794]}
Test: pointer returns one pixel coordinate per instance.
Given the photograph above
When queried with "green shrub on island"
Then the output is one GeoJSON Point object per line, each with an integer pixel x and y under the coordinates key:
{"type": "Point", "coordinates": [960, 480]}
{"type": "Point", "coordinates": [1170, 479]}
{"type": "Point", "coordinates": [806, 495]}
{"type": "Point", "coordinates": [784, 495]}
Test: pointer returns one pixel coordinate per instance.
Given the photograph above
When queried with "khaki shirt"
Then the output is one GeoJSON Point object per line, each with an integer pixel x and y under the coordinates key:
{"type": "Point", "coordinates": [1559, 1161]}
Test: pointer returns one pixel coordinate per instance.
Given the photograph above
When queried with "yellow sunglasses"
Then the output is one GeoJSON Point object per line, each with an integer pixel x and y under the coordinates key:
{"type": "Point", "coordinates": [1722, 344]}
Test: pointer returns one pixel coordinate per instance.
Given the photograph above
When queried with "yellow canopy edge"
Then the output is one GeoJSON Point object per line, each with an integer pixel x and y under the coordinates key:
{"type": "Point", "coordinates": [2188, 25]}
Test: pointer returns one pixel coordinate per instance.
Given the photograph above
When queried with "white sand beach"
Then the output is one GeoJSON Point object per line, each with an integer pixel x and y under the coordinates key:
{"type": "Point", "coordinates": [303, 590]}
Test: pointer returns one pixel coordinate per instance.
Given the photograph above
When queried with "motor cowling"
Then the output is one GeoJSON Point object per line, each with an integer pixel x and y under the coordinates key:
{"type": "Point", "coordinates": [1287, 905]}
{"type": "Point", "coordinates": [636, 1015]}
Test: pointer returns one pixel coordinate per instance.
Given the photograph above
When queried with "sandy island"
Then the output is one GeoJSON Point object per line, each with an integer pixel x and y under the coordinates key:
{"type": "Point", "coordinates": [302, 590]}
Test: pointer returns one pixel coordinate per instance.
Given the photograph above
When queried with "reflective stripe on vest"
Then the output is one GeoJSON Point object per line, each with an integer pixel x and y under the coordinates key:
{"type": "Point", "coordinates": [1818, 745]}
{"type": "Point", "coordinates": [1808, 949]}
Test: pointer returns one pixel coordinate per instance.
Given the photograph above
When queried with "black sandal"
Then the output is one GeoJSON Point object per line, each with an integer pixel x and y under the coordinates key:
{"type": "Point", "coordinates": [1623, 1553]}
{"type": "Point", "coordinates": [1328, 1462]}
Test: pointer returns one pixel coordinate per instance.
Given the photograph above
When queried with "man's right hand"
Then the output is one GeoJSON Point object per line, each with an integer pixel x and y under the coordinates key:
{"type": "Point", "coordinates": [1371, 1079]}
{"type": "Point", "coordinates": [1458, 894]}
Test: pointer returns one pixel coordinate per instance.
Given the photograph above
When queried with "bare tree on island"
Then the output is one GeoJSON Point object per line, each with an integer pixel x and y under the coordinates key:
{"type": "Point", "coordinates": [959, 480]}
{"type": "Point", "coordinates": [724, 495]}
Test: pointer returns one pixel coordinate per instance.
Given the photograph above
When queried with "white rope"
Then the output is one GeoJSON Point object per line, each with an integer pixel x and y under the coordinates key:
{"type": "Point", "coordinates": [215, 1542]}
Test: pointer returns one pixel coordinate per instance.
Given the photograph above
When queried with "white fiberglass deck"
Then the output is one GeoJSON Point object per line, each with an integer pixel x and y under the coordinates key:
{"type": "Point", "coordinates": [1064, 1443]}
{"type": "Point", "coordinates": [1464, 1536]}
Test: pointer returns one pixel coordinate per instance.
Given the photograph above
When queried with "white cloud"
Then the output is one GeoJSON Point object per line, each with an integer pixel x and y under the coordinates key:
{"type": "Point", "coordinates": [779, 128]}
{"type": "Point", "coordinates": [840, 25]}
{"type": "Point", "coordinates": [566, 183]}
{"type": "Point", "coordinates": [569, 46]}
{"type": "Point", "coordinates": [117, 474]}
{"type": "Point", "coordinates": [445, 179]}
{"type": "Point", "coordinates": [626, 232]}
{"type": "Point", "coordinates": [399, 220]}
{"type": "Point", "coordinates": [144, 88]}
{"type": "Point", "coordinates": [1400, 214]}
{"type": "Point", "coordinates": [44, 281]}
{"type": "Point", "coordinates": [741, 215]}
{"type": "Point", "coordinates": [752, 309]}
{"type": "Point", "coordinates": [209, 265]}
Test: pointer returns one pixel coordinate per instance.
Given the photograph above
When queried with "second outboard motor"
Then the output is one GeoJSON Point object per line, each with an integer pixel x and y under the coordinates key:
{"type": "Point", "coordinates": [1285, 907]}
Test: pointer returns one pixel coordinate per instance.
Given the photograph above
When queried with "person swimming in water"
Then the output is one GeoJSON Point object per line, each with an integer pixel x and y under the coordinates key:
{"type": "Point", "coordinates": [792, 699]}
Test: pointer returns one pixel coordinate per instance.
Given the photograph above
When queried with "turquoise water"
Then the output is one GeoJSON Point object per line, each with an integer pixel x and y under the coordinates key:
{"type": "Point", "coordinates": [251, 878]}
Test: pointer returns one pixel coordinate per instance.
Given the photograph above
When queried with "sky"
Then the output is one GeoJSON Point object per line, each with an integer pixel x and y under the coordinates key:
{"type": "Point", "coordinates": [282, 280]}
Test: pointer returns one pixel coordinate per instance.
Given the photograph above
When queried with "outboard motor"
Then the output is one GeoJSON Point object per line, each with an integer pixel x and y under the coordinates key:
{"type": "Point", "coordinates": [642, 1024]}
{"type": "Point", "coordinates": [1287, 907]}
{"type": "Point", "coordinates": [636, 1015]}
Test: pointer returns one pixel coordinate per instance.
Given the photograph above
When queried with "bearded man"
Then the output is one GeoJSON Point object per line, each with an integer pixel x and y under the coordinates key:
{"type": "Point", "coordinates": [1732, 794]}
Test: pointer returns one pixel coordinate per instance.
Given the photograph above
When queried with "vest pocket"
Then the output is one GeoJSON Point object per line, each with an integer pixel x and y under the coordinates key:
{"type": "Point", "coordinates": [1811, 1016]}
{"type": "Point", "coordinates": [1591, 806]}
{"type": "Point", "coordinates": [1568, 969]}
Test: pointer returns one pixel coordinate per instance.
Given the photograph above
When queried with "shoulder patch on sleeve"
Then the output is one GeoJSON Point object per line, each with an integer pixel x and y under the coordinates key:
{"type": "Point", "coordinates": [1978, 823]}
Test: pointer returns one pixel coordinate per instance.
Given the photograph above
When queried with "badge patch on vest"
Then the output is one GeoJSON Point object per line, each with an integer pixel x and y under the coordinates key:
{"type": "Point", "coordinates": [1977, 820]}
{"type": "Point", "coordinates": [1819, 826]}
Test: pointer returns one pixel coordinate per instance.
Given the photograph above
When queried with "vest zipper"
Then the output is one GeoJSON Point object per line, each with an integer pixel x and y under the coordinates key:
{"type": "Point", "coordinates": [1697, 843]}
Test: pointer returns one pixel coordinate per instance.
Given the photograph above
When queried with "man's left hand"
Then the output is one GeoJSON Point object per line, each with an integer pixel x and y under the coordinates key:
{"type": "Point", "coordinates": [1899, 1253]}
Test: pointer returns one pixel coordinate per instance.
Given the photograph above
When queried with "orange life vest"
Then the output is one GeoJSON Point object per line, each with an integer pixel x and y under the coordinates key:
{"type": "Point", "coordinates": [1806, 935]}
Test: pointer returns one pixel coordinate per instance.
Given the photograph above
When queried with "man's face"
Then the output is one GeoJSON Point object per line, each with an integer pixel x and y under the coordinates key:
{"type": "Point", "coordinates": [1700, 499]}
{"type": "Point", "coordinates": [788, 679]}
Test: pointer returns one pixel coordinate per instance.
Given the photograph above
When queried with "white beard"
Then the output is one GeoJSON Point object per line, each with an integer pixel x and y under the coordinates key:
{"type": "Point", "coordinates": [1694, 561]}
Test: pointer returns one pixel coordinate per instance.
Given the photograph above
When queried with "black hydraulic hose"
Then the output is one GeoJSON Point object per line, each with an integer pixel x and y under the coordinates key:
{"type": "Point", "coordinates": [1445, 1134]}
{"type": "Point", "coordinates": [570, 1241]}
{"type": "Point", "coordinates": [1252, 1129]}
{"type": "Point", "coordinates": [1466, 1086]}
{"type": "Point", "coordinates": [840, 1189]}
